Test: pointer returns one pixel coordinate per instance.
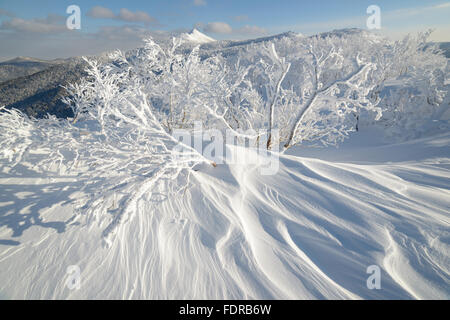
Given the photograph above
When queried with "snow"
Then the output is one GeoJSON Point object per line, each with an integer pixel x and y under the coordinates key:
{"type": "Point", "coordinates": [106, 199]}
{"type": "Point", "coordinates": [196, 36]}
{"type": "Point", "coordinates": [309, 232]}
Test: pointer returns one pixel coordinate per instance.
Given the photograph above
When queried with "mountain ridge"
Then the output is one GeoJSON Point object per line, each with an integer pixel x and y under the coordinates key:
{"type": "Point", "coordinates": [36, 87]}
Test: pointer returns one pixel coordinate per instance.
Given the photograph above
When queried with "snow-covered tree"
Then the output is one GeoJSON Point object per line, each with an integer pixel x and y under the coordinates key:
{"type": "Point", "coordinates": [412, 89]}
{"type": "Point", "coordinates": [337, 81]}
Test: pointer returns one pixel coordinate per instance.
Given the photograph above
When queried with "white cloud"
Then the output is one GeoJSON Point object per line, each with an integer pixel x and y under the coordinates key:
{"type": "Point", "coordinates": [70, 44]}
{"type": "Point", "coordinates": [138, 16]}
{"type": "Point", "coordinates": [218, 27]}
{"type": "Point", "coordinates": [101, 13]}
{"type": "Point", "coordinates": [120, 33]}
{"type": "Point", "coordinates": [225, 28]}
{"type": "Point", "coordinates": [442, 5]}
{"type": "Point", "coordinates": [241, 18]}
{"type": "Point", "coordinates": [199, 3]}
{"type": "Point", "coordinates": [237, 33]}
{"type": "Point", "coordinates": [124, 15]}
{"type": "Point", "coordinates": [51, 24]}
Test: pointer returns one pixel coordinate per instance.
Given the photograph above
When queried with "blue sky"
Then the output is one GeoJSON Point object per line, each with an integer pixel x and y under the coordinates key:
{"type": "Point", "coordinates": [37, 28]}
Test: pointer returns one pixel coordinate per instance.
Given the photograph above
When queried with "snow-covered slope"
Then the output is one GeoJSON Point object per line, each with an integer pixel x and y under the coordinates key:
{"type": "Point", "coordinates": [196, 36]}
{"type": "Point", "coordinates": [309, 232]}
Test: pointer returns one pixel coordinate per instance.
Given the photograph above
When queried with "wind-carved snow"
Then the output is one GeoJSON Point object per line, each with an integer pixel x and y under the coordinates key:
{"type": "Point", "coordinates": [310, 232]}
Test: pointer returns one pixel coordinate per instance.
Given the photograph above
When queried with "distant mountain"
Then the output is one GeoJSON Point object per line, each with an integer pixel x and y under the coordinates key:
{"type": "Point", "coordinates": [232, 47]}
{"type": "Point", "coordinates": [345, 32]}
{"type": "Point", "coordinates": [223, 44]}
{"type": "Point", "coordinates": [24, 66]}
{"type": "Point", "coordinates": [196, 36]}
{"type": "Point", "coordinates": [40, 93]}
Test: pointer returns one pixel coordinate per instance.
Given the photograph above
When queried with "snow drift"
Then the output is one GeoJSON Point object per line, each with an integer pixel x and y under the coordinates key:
{"type": "Point", "coordinates": [308, 233]}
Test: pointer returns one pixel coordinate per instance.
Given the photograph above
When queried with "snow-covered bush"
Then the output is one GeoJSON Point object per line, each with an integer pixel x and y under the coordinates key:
{"type": "Point", "coordinates": [412, 87]}
{"type": "Point", "coordinates": [311, 89]}
{"type": "Point", "coordinates": [313, 92]}
{"type": "Point", "coordinates": [51, 138]}
{"type": "Point", "coordinates": [338, 76]}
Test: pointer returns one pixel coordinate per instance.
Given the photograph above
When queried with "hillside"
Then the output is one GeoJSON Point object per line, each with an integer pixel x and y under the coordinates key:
{"type": "Point", "coordinates": [23, 66]}
{"type": "Point", "coordinates": [40, 94]}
